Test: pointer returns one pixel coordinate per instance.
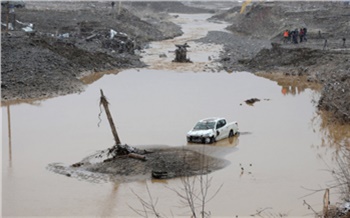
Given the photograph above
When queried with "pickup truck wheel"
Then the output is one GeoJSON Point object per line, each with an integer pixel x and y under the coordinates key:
{"type": "Point", "coordinates": [231, 134]}
{"type": "Point", "coordinates": [208, 140]}
{"type": "Point", "coordinates": [212, 139]}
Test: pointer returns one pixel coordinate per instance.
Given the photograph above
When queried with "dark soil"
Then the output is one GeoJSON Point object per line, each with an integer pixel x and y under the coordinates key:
{"type": "Point", "coordinates": [169, 7]}
{"type": "Point", "coordinates": [45, 63]}
{"type": "Point", "coordinates": [175, 161]}
{"type": "Point", "coordinates": [36, 67]}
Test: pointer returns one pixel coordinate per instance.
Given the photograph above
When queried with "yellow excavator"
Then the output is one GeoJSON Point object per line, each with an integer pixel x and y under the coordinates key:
{"type": "Point", "coordinates": [244, 5]}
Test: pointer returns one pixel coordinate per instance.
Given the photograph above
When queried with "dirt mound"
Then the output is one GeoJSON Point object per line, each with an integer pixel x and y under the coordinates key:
{"type": "Point", "coordinates": [71, 39]}
{"type": "Point", "coordinates": [175, 161]}
{"type": "Point", "coordinates": [284, 59]}
{"type": "Point", "coordinates": [228, 15]}
{"type": "Point", "coordinates": [35, 67]}
{"type": "Point", "coordinates": [268, 20]}
{"type": "Point", "coordinates": [259, 21]}
{"type": "Point", "coordinates": [83, 23]}
{"type": "Point", "coordinates": [169, 7]}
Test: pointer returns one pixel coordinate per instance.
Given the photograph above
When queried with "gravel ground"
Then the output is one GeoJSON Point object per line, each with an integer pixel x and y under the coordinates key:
{"type": "Point", "coordinates": [47, 64]}
{"type": "Point", "coordinates": [235, 48]}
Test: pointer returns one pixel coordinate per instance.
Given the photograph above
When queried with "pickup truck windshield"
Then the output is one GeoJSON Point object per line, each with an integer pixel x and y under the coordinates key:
{"type": "Point", "coordinates": [204, 125]}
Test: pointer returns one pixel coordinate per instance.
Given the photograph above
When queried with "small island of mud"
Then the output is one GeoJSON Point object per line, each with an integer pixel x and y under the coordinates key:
{"type": "Point", "coordinates": [171, 161]}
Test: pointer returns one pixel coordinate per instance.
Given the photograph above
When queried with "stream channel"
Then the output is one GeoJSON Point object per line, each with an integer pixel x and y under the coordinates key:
{"type": "Point", "coordinates": [282, 146]}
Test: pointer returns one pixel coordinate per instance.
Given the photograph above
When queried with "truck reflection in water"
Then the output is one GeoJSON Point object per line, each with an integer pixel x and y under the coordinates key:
{"type": "Point", "coordinates": [230, 141]}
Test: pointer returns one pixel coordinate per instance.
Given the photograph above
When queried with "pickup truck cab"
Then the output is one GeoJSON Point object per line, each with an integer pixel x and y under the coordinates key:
{"type": "Point", "coordinates": [210, 130]}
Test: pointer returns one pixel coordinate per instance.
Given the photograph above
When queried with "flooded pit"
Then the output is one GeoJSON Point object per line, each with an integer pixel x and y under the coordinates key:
{"type": "Point", "coordinates": [280, 147]}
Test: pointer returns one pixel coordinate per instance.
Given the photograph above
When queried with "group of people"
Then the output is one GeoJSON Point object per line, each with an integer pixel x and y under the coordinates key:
{"type": "Point", "coordinates": [294, 35]}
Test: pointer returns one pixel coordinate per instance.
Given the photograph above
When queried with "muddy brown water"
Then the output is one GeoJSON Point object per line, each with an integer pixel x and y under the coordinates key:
{"type": "Point", "coordinates": [282, 148]}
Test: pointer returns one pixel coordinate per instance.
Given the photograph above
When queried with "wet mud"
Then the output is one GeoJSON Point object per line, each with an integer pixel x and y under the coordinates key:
{"type": "Point", "coordinates": [174, 161]}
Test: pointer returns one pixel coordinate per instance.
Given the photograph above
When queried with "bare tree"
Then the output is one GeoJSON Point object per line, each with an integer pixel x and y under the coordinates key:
{"type": "Point", "coordinates": [148, 206]}
{"type": "Point", "coordinates": [193, 193]}
{"type": "Point", "coordinates": [196, 198]}
{"type": "Point", "coordinates": [341, 183]}
{"type": "Point", "coordinates": [265, 212]}
{"type": "Point", "coordinates": [342, 173]}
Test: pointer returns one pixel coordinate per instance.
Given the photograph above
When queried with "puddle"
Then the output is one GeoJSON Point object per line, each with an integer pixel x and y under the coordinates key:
{"type": "Point", "coordinates": [278, 148]}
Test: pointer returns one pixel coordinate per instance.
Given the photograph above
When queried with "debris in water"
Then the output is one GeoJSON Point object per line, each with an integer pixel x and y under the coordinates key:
{"type": "Point", "coordinates": [181, 53]}
{"type": "Point", "coordinates": [118, 149]}
{"type": "Point", "coordinates": [77, 164]}
{"type": "Point", "coordinates": [251, 101]}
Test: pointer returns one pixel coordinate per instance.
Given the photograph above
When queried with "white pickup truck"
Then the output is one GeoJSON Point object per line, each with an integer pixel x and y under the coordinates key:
{"type": "Point", "coordinates": [212, 129]}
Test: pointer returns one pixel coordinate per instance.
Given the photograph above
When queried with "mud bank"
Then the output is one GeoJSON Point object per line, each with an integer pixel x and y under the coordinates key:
{"type": "Point", "coordinates": [327, 67]}
{"type": "Point", "coordinates": [172, 161]}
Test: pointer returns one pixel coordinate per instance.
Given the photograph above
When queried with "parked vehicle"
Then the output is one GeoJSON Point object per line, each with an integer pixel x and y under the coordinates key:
{"type": "Point", "coordinates": [212, 129]}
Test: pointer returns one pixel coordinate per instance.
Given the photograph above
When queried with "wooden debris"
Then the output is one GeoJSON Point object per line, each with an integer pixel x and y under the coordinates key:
{"type": "Point", "coordinates": [118, 149]}
{"type": "Point", "coordinates": [137, 156]}
{"type": "Point", "coordinates": [90, 37]}
{"type": "Point", "coordinates": [252, 101]}
{"type": "Point", "coordinates": [105, 103]}
{"type": "Point", "coordinates": [77, 164]}
{"type": "Point", "coordinates": [326, 203]}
